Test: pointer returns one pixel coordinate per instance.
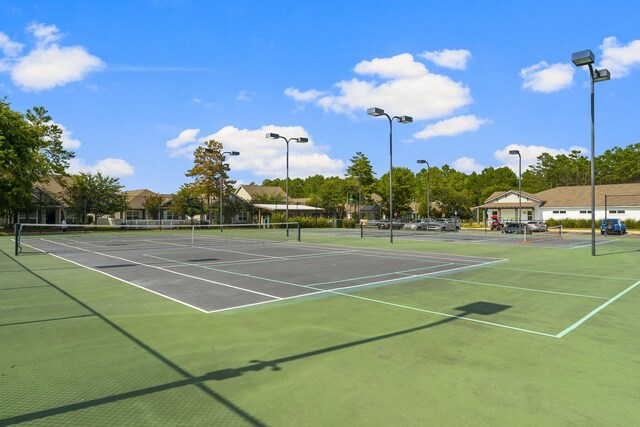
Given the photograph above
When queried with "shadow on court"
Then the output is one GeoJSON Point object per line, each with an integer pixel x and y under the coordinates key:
{"type": "Point", "coordinates": [481, 308]}
{"type": "Point", "coordinates": [188, 378]}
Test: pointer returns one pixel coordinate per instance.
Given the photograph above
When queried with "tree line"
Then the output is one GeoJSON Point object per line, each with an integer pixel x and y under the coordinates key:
{"type": "Point", "coordinates": [31, 152]}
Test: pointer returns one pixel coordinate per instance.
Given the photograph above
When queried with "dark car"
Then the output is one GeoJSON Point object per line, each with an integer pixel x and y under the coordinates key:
{"type": "Point", "coordinates": [515, 228]}
{"type": "Point", "coordinates": [385, 225]}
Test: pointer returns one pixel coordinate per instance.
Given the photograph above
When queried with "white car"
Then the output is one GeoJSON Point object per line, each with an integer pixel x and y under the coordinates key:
{"type": "Point", "coordinates": [444, 224]}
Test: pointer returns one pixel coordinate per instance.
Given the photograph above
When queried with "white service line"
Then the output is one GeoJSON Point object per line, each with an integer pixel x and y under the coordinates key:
{"type": "Point", "coordinates": [169, 271]}
{"type": "Point", "coordinates": [595, 311]}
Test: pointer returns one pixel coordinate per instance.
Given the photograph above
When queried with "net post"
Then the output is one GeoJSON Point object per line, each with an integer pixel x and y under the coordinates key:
{"type": "Point", "coordinates": [298, 225]}
{"type": "Point", "coordinates": [193, 234]}
{"type": "Point", "coordinates": [361, 230]}
{"type": "Point", "coordinates": [16, 228]}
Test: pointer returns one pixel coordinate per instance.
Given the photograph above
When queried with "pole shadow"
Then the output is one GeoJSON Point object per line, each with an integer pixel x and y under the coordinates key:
{"type": "Point", "coordinates": [188, 378]}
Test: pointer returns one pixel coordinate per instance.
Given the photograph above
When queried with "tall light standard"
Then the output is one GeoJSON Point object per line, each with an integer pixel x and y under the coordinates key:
{"type": "Point", "coordinates": [221, 159]}
{"type": "Point", "coordinates": [586, 57]}
{"type": "Point", "coordinates": [376, 112]}
{"type": "Point", "coordinates": [428, 191]}
{"type": "Point", "coordinates": [513, 153]}
{"type": "Point", "coordinates": [287, 140]}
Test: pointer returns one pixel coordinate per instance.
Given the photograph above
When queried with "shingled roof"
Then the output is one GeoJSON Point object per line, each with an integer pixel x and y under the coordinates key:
{"type": "Point", "coordinates": [578, 196]}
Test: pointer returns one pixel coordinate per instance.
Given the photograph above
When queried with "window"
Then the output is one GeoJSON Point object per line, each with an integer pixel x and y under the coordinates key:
{"type": "Point", "coordinates": [559, 212]}
{"type": "Point", "coordinates": [133, 215]}
{"type": "Point", "coordinates": [243, 216]}
{"type": "Point", "coordinates": [494, 213]}
{"type": "Point", "coordinates": [529, 215]}
{"type": "Point", "coordinates": [169, 215]}
{"type": "Point", "coordinates": [620, 211]}
{"type": "Point", "coordinates": [585, 212]}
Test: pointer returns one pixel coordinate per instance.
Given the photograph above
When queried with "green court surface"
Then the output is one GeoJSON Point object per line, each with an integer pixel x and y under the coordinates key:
{"type": "Point", "coordinates": [546, 336]}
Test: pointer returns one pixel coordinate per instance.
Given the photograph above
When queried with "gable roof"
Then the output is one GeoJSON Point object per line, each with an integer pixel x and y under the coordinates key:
{"type": "Point", "coordinates": [259, 190]}
{"type": "Point", "coordinates": [135, 198]}
{"type": "Point", "coordinates": [498, 194]}
{"type": "Point", "coordinates": [578, 196]}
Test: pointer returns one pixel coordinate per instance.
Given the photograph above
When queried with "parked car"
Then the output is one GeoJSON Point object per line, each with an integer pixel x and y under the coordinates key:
{"type": "Point", "coordinates": [613, 226]}
{"type": "Point", "coordinates": [535, 226]}
{"type": "Point", "coordinates": [385, 225]}
{"type": "Point", "coordinates": [413, 224]}
{"type": "Point", "coordinates": [516, 228]}
{"type": "Point", "coordinates": [444, 224]}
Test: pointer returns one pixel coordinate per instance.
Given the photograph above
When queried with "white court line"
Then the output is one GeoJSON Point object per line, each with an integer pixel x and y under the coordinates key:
{"type": "Point", "coordinates": [118, 278]}
{"type": "Point", "coordinates": [564, 274]}
{"type": "Point", "coordinates": [520, 288]}
{"type": "Point", "coordinates": [595, 311]}
{"type": "Point", "coordinates": [597, 243]}
{"type": "Point", "coordinates": [255, 261]}
{"type": "Point", "coordinates": [167, 270]}
{"type": "Point", "coordinates": [212, 249]}
{"type": "Point", "coordinates": [399, 272]}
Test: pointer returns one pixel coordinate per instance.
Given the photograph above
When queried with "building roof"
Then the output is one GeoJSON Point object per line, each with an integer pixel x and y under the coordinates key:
{"type": "Point", "coordinates": [282, 207]}
{"type": "Point", "coordinates": [135, 198]}
{"type": "Point", "coordinates": [573, 196]}
{"type": "Point", "coordinates": [498, 194]}
{"type": "Point", "coordinates": [580, 196]}
{"type": "Point", "coordinates": [259, 190]}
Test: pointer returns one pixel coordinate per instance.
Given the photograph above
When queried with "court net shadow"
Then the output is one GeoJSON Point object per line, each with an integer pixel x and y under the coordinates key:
{"type": "Point", "coordinates": [481, 307]}
{"type": "Point", "coordinates": [188, 379]}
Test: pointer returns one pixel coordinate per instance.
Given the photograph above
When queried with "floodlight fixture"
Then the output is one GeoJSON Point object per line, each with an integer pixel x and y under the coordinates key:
{"type": "Point", "coordinates": [375, 112]}
{"type": "Point", "coordinates": [422, 161]}
{"type": "Point", "coordinates": [300, 140]}
{"type": "Point", "coordinates": [514, 152]}
{"type": "Point", "coordinates": [601, 75]}
{"type": "Point", "coordinates": [584, 57]}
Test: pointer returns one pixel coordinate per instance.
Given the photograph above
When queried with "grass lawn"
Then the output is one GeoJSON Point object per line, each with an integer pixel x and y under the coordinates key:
{"type": "Point", "coordinates": [550, 336]}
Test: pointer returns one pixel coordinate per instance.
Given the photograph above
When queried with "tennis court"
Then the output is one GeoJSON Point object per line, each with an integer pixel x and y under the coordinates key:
{"type": "Point", "coordinates": [235, 328]}
{"type": "Point", "coordinates": [554, 238]}
{"type": "Point", "coordinates": [212, 270]}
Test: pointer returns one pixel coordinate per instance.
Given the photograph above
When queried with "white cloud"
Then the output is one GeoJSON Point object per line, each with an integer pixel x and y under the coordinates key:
{"type": "Point", "coordinates": [53, 66]}
{"type": "Point", "coordinates": [44, 34]}
{"type": "Point", "coordinates": [9, 47]}
{"type": "Point", "coordinates": [398, 67]}
{"type": "Point", "coordinates": [408, 89]}
{"type": "Point", "coordinates": [306, 96]}
{"type": "Point", "coordinates": [451, 127]}
{"type": "Point", "coordinates": [619, 59]}
{"type": "Point", "coordinates": [49, 64]}
{"type": "Point", "coordinates": [467, 165]}
{"type": "Point", "coordinates": [185, 137]}
{"type": "Point", "coordinates": [546, 78]}
{"type": "Point", "coordinates": [117, 168]}
{"type": "Point", "coordinates": [245, 95]}
{"type": "Point", "coordinates": [267, 157]}
{"type": "Point", "coordinates": [68, 142]}
{"type": "Point", "coordinates": [454, 59]}
{"type": "Point", "coordinates": [530, 154]}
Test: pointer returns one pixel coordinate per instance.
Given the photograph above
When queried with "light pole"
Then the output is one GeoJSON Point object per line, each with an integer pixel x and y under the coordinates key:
{"type": "Point", "coordinates": [221, 159]}
{"type": "Point", "coordinates": [513, 153]}
{"type": "Point", "coordinates": [376, 112]}
{"type": "Point", "coordinates": [301, 140]}
{"type": "Point", "coordinates": [428, 191]}
{"type": "Point", "coordinates": [586, 57]}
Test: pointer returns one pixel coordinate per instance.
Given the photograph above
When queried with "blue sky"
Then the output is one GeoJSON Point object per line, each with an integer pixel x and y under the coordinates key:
{"type": "Point", "coordinates": [137, 85]}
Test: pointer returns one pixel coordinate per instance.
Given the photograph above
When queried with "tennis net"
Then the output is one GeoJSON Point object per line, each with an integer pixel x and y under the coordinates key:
{"type": "Point", "coordinates": [57, 238]}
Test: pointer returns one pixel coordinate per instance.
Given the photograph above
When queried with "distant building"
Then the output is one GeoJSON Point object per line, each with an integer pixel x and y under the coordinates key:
{"type": "Point", "coordinates": [611, 200]}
